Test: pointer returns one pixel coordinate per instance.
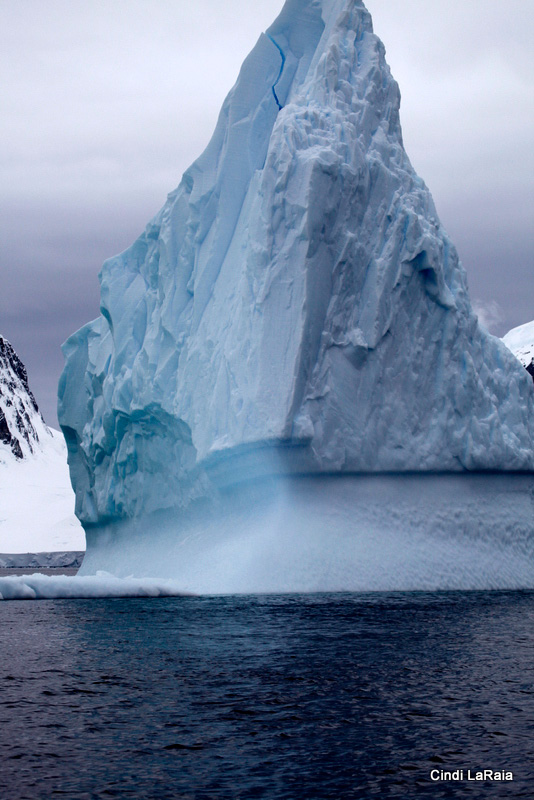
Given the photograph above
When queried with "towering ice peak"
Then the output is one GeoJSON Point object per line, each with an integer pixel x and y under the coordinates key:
{"type": "Point", "coordinates": [21, 424]}
{"type": "Point", "coordinates": [295, 307]}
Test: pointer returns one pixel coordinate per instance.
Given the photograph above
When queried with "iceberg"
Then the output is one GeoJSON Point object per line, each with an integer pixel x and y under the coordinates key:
{"type": "Point", "coordinates": [293, 319]}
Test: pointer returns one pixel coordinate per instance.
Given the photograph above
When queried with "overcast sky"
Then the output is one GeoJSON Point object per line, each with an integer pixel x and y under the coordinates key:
{"type": "Point", "coordinates": [106, 102]}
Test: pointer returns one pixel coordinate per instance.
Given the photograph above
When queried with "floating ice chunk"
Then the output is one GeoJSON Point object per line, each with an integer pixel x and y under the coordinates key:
{"type": "Point", "coordinates": [103, 584]}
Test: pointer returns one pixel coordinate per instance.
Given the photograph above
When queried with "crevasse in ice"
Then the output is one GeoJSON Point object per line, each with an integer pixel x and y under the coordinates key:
{"type": "Point", "coordinates": [295, 307]}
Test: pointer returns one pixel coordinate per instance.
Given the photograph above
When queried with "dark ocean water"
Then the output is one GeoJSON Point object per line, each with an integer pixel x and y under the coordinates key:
{"type": "Point", "coordinates": [317, 696]}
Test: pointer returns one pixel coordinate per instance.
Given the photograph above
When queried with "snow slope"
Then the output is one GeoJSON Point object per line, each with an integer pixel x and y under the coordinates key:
{"type": "Point", "coordinates": [37, 501]}
{"type": "Point", "coordinates": [36, 498]}
{"type": "Point", "coordinates": [520, 341]}
{"type": "Point", "coordinates": [295, 307]}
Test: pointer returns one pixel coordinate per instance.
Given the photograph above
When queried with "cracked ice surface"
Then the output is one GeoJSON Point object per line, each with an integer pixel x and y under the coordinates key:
{"type": "Point", "coordinates": [295, 307]}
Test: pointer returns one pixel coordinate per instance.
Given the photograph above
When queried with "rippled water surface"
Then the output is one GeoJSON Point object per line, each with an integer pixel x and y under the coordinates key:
{"type": "Point", "coordinates": [317, 696]}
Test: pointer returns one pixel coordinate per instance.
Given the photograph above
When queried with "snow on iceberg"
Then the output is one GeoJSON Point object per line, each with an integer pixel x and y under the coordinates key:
{"type": "Point", "coordinates": [295, 309]}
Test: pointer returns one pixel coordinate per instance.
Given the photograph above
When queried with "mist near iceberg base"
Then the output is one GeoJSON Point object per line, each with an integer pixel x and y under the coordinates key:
{"type": "Point", "coordinates": [333, 533]}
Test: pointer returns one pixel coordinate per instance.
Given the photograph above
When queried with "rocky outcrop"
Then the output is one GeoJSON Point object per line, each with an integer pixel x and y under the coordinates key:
{"type": "Point", "coordinates": [21, 424]}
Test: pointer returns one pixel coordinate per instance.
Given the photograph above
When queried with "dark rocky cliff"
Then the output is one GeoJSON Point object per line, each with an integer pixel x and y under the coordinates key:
{"type": "Point", "coordinates": [18, 408]}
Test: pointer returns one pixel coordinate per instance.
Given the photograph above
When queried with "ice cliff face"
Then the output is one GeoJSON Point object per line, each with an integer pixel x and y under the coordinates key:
{"type": "Point", "coordinates": [295, 307]}
{"type": "Point", "coordinates": [520, 341]}
{"type": "Point", "coordinates": [21, 424]}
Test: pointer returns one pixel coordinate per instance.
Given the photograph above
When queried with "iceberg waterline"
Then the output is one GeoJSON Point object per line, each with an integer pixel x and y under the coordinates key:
{"type": "Point", "coordinates": [335, 533]}
{"type": "Point", "coordinates": [295, 309]}
{"type": "Point", "coordinates": [338, 533]}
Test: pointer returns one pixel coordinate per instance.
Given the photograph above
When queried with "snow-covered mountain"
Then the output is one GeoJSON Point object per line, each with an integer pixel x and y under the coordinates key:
{"type": "Point", "coordinates": [36, 498]}
{"type": "Point", "coordinates": [520, 341]}
{"type": "Point", "coordinates": [21, 425]}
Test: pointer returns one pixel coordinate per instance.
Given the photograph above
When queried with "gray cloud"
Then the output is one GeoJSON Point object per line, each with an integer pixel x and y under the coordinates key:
{"type": "Point", "coordinates": [105, 103]}
{"type": "Point", "coordinates": [489, 315]}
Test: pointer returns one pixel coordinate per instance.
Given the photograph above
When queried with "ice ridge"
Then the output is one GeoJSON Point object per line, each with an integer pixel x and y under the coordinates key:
{"type": "Point", "coordinates": [295, 308]}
